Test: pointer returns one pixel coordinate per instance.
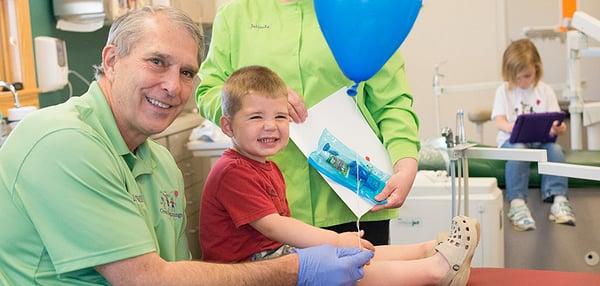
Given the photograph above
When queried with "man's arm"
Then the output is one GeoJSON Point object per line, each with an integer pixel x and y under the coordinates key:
{"type": "Point", "coordinates": [322, 265]}
{"type": "Point", "coordinates": [151, 269]}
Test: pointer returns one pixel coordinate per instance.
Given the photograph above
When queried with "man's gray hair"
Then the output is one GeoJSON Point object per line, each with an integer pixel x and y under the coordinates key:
{"type": "Point", "coordinates": [128, 30]}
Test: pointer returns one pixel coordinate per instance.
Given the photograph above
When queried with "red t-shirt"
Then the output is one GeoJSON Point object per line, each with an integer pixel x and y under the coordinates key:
{"type": "Point", "coordinates": [238, 191]}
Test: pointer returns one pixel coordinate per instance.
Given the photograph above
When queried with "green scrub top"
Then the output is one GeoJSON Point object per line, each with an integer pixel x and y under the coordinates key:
{"type": "Point", "coordinates": [286, 38]}
{"type": "Point", "coordinates": [73, 197]}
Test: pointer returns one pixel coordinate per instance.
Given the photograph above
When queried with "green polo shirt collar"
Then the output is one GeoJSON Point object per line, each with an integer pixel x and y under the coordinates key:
{"type": "Point", "coordinates": [140, 162]}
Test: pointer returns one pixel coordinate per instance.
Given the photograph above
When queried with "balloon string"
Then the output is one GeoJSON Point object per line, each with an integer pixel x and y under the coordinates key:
{"type": "Point", "coordinates": [357, 179]}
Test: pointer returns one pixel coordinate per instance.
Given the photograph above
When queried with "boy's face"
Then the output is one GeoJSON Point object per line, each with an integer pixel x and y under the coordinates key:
{"type": "Point", "coordinates": [260, 128]}
{"type": "Point", "coordinates": [525, 78]}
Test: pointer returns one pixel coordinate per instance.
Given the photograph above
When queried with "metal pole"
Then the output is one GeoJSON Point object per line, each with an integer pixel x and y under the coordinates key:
{"type": "Point", "coordinates": [459, 175]}
{"type": "Point", "coordinates": [466, 174]}
{"type": "Point", "coordinates": [453, 184]}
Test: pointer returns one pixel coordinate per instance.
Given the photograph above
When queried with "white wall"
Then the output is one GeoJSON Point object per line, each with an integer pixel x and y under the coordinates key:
{"type": "Point", "coordinates": [553, 53]}
{"type": "Point", "coordinates": [466, 35]}
{"type": "Point", "coordinates": [470, 35]}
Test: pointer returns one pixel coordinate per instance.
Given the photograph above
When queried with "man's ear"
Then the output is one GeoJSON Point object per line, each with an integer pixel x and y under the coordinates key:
{"type": "Point", "coordinates": [109, 58]}
{"type": "Point", "coordinates": [226, 126]}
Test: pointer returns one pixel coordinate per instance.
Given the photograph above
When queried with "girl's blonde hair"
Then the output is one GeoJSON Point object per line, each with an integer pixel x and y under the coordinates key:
{"type": "Point", "coordinates": [518, 56]}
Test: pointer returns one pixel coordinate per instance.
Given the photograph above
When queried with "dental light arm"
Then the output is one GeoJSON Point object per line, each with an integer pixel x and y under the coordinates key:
{"type": "Point", "coordinates": [586, 24]}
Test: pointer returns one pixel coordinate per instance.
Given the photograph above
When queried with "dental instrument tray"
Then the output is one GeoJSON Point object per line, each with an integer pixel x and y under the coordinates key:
{"type": "Point", "coordinates": [535, 127]}
{"type": "Point", "coordinates": [341, 164]}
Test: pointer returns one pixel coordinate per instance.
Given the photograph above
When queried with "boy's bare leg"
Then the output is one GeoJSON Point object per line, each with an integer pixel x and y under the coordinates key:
{"type": "Point", "coordinates": [404, 251]}
{"type": "Point", "coordinates": [426, 271]}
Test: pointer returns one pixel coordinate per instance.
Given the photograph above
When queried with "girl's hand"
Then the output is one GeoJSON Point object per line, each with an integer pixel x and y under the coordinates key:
{"type": "Point", "coordinates": [558, 128]}
{"type": "Point", "coordinates": [350, 239]}
{"type": "Point", "coordinates": [502, 123]}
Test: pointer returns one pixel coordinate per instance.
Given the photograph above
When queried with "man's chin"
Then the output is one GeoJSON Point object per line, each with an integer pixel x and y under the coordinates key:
{"type": "Point", "coordinates": [156, 129]}
{"type": "Point", "coordinates": [159, 123]}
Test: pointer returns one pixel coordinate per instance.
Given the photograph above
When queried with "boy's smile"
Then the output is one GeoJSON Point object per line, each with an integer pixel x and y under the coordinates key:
{"type": "Point", "coordinates": [260, 128]}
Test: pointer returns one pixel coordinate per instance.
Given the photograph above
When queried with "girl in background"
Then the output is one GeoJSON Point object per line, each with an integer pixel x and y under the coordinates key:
{"type": "Point", "coordinates": [523, 92]}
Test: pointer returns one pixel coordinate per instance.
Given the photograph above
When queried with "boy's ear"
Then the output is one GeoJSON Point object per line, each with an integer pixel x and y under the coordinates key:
{"type": "Point", "coordinates": [226, 126]}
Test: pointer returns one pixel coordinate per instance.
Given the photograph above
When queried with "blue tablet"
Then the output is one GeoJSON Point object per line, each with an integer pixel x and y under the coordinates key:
{"type": "Point", "coordinates": [535, 127]}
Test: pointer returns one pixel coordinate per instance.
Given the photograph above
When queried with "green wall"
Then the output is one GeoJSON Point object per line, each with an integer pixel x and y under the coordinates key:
{"type": "Point", "coordinates": [83, 49]}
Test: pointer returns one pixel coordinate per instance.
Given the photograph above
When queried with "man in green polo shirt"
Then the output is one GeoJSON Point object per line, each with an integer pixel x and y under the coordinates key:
{"type": "Point", "coordinates": [88, 199]}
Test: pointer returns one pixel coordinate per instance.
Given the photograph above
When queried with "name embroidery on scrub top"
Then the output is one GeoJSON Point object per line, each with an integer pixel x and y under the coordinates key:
{"type": "Point", "coordinates": [259, 26]}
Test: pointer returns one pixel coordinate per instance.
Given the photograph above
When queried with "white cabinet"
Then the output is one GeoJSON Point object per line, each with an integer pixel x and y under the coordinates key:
{"type": "Point", "coordinates": [427, 211]}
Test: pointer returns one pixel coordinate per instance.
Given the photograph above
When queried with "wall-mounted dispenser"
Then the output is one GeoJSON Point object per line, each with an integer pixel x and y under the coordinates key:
{"type": "Point", "coordinates": [51, 63]}
{"type": "Point", "coordinates": [79, 15]}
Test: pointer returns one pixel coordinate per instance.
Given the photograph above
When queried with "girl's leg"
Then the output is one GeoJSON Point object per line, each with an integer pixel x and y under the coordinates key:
{"type": "Point", "coordinates": [553, 185]}
{"type": "Point", "coordinates": [516, 175]}
{"type": "Point", "coordinates": [561, 210]}
{"type": "Point", "coordinates": [426, 271]}
{"type": "Point", "coordinates": [404, 251]}
{"type": "Point", "coordinates": [517, 187]}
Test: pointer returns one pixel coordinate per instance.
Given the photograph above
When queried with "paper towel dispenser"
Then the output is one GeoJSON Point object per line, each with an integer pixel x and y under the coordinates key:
{"type": "Point", "coordinates": [79, 15]}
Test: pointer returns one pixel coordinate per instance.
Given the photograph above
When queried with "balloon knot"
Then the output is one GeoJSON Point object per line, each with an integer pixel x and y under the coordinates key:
{"type": "Point", "coordinates": [352, 91]}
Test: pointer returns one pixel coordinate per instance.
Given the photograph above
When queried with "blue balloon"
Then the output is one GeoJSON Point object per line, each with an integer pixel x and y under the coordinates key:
{"type": "Point", "coordinates": [364, 34]}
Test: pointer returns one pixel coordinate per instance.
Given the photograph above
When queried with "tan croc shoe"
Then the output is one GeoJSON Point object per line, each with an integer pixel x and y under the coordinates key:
{"type": "Point", "coordinates": [459, 249]}
{"type": "Point", "coordinates": [441, 237]}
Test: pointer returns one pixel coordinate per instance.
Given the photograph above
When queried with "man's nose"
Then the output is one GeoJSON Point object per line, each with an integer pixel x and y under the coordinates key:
{"type": "Point", "coordinates": [172, 81]}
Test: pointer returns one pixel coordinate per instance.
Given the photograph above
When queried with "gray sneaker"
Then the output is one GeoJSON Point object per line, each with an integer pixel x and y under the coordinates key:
{"type": "Point", "coordinates": [562, 213]}
{"type": "Point", "coordinates": [521, 218]}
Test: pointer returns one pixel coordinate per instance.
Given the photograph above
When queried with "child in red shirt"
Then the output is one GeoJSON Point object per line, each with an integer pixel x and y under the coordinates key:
{"type": "Point", "coordinates": [245, 216]}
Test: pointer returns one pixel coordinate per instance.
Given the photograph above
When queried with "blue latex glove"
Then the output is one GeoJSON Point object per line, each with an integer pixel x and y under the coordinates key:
{"type": "Point", "coordinates": [328, 265]}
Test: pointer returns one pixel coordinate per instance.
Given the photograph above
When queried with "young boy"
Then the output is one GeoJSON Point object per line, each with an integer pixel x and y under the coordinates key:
{"type": "Point", "coordinates": [245, 215]}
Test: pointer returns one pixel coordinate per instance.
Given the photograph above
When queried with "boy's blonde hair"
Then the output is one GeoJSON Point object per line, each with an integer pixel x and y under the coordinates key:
{"type": "Point", "coordinates": [248, 80]}
{"type": "Point", "coordinates": [518, 56]}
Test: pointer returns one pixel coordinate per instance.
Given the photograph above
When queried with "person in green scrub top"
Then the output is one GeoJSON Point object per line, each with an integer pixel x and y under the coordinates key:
{"type": "Point", "coordinates": [88, 199]}
{"type": "Point", "coordinates": [285, 37]}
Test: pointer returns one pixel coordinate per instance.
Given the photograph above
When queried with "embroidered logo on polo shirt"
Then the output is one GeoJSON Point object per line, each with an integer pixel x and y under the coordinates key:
{"type": "Point", "coordinates": [138, 198]}
{"type": "Point", "coordinates": [168, 204]}
{"type": "Point", "coordinates": [259, 26]}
